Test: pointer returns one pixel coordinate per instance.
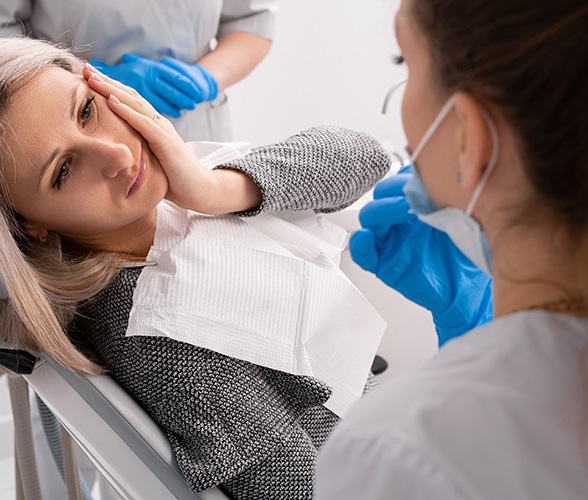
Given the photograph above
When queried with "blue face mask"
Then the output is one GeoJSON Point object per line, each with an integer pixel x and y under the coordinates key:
{"type": "Point", "coordinates": [462, 228]}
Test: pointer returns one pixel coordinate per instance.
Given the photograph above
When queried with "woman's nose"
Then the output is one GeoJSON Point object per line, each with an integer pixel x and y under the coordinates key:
{"type": "Point", "coordinates": [114, 157]}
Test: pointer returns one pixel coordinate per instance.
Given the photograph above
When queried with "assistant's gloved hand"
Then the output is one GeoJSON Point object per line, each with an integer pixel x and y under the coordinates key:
{"type": "Point", "coordinates": [420, 262]}
{"type": "Point", "coordinates": [205, 83]}
{"type": "Point", "coordinates": [168, 90]}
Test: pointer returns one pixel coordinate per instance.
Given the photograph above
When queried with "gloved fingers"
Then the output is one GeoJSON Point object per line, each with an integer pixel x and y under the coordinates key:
{"type": "Point", "coordinates": [381, 215]}
{"type": "Point", "coordinates": [388, 262]}
{"type": "Point", "coordinates": [163, 91]}
{"type": "Point", "coordinates": [391, 186]}
{"type": "Point", "coordinates": [179, 75]}
{"type": "Point", "coordinates": [177, 65]}
{"type": "Point", "coordinates": [406, 169]}
{"type": "Point", "coordinates": [160, 80]}
{"type": "Point", "coordinates": [470, 308]}
{"type": "Point", "coordinates": [131, 58]}
{"type": "Point", "coordinates": [147, 77]}
{"type": "Point", "coordinates": [105, 69]}
{"type": "Point", "coordinates": [362, 246]}
{"type": "Point", "coordinates": [99, 65]}
{"type": "Point", "coordinates": [198, 75]}
{"type": "Point", "coordinates": [163, 106]}
{"type": "Point", "coordinates": [182, 85]}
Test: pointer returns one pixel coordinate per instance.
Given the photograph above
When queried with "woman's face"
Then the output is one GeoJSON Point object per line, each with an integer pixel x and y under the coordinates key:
{"type": "Point", "coordinates": [422, 101]}
{"type": "Point", "coordinates": [79, 170]}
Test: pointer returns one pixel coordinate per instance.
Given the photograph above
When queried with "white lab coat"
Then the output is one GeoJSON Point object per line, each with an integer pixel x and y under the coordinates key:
{"type": "Point", "coordinates": [498, 413]}
{"type": "Point", "coordinates": [183, 29]}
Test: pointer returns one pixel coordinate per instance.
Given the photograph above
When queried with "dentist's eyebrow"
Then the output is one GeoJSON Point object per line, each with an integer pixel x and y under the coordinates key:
{"type": "Point", "coordinates": [72, 114]}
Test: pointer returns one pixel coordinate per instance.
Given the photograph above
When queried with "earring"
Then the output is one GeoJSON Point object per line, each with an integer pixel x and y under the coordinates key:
{"type": "Point", "coordinates": [458, 178]}
{"type": "Point", "coordinates": [43, 239]}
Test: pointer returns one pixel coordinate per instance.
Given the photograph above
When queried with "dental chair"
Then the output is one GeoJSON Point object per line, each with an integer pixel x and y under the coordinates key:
{"type": "Point", "coordinates": [127, 447]}
{"type": "Point", "coordinates": [120, 438]}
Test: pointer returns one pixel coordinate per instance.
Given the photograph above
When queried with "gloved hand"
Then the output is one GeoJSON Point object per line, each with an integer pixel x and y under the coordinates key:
{"type": "Point", "coordinates": [205, 83]}
{"type": "Point", "coordinates": [168, 90]}
{"type": "Point", "coordinates": [420, 262]}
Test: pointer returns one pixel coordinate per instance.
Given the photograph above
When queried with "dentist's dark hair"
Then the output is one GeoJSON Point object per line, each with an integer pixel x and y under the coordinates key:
{"type": "Point", "coordinates": [530, 59]}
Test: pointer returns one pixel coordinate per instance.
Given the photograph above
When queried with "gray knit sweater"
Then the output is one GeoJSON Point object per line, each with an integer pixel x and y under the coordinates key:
{"type": "Point", "coordinates": [254, 430]}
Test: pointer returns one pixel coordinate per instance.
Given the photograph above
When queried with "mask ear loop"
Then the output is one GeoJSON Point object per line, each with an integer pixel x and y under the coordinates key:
{"type": "Point", "coordinates": [432, 128]}
{"type": "Point", "coordinates": [491, 163]}
{"type": "Point", "coordinates": [389, 95]}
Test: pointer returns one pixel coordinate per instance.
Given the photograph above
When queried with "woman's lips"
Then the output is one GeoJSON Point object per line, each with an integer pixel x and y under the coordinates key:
{"type": "Point", "coordinates": [138, 181]}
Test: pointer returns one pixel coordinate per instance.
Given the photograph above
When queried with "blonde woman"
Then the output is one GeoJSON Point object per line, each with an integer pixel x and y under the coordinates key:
{"type": "Point", "coordinates": [86, 165]}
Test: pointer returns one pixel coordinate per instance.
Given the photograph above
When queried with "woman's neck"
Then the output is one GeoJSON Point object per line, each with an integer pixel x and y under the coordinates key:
{"type": "Point", "coordinates": [129, 243]}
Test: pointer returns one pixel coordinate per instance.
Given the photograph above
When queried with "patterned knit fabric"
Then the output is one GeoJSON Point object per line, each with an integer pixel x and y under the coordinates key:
{"type": "Point", "coordinates": [254, 430]}
{"type": "Point", "coordinates": [324, 169]}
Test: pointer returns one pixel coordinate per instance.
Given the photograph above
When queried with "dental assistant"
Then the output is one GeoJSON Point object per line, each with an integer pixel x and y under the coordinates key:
{"type": "Point", "coordinates": [493, 120]}
{"type": "Point", "coordinates": [164, 50]}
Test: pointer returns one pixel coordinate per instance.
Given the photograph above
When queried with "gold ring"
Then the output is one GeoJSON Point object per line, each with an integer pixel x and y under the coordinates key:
{"type": "Point", "coordinates": [156, 117]}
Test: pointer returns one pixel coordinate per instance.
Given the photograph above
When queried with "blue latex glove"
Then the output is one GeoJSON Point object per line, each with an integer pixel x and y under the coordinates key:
{"type": "Point", "coordinates": [169, 91]}
{"type": "Point", "coordinates": [201, 78]}
{"type": "Point", "coordinates": [420, 262]}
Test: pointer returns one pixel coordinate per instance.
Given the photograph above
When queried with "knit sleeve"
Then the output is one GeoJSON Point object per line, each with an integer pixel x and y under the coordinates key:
{"type": "Point", "coordinates": [323, 168]}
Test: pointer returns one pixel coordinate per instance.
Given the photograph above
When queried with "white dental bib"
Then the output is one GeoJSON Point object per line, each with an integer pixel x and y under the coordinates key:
{"type": "Point", "coordinates": [264, 289]}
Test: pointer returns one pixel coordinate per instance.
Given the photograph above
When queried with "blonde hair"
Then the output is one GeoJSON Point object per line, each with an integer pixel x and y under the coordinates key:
{"type": "Point", "coordinates": [43, 285]}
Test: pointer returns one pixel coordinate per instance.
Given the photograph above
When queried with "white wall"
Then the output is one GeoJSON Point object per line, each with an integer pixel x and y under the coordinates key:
{"type": "Point", "coordinates": [331, 63]}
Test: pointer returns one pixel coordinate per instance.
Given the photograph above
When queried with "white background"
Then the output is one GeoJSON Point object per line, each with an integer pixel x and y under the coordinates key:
{"type": "Point", "coordinates": [331, 63]}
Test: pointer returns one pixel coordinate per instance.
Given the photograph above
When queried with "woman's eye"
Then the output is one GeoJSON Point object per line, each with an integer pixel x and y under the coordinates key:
{"type": "Point", "coordinates": [61, 175]}
{"type": "Point", "coordinates": [87, 110]}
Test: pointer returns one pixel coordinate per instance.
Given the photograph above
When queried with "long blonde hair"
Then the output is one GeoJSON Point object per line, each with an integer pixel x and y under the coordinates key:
{"type": "Point", "coordinates": [43, 285]}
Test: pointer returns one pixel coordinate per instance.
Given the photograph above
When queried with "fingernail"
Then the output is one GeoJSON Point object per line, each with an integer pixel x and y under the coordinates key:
{"type": "Point", "coordinates": [114, 99]}
{"type": "Point", "coordinates": [97, 77]}
{"type": "Point", "coordinates": [91, 68]}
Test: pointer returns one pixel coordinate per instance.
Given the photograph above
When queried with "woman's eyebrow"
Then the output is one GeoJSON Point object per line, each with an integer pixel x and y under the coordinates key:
{"type": "Point", "coordinates": [72, 114]}
{"type": "Point", "coordinates": [74, 101]}
{"type": "Point", "coordinates": [45, 166]}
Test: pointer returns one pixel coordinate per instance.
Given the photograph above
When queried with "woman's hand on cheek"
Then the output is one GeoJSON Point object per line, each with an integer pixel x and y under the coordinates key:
{"type": "Point", "coordinates": [191, 184]}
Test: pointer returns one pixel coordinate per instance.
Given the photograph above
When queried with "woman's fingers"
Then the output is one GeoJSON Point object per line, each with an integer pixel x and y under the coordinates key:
{"type": "Point", "coordinates": [131, 107]}
{"type": "Point", "coordinates": [190, 182]}
{"type": "Point", "coordinates": [90, 70]}
{"type": "Point", "coordinates": [107, 86]}
{"type": "Point", "coordinates": [150, 124]}
{"type": "Point", "coordinates": [165, 98]}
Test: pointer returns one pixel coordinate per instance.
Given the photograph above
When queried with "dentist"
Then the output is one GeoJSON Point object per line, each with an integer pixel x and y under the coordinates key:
{"type": "Point", "coordinates": [494, 115]}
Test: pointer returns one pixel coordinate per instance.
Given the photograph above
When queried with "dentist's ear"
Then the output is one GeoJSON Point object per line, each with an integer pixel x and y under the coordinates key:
{"type": "Point", "coordinates": [475, 141]}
